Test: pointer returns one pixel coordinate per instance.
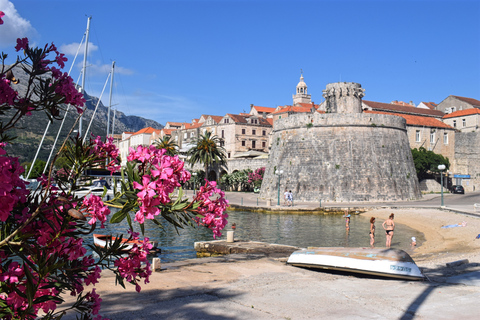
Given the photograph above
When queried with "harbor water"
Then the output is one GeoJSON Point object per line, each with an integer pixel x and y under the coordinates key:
{"type": "Point", "coordinates": [305, 230]}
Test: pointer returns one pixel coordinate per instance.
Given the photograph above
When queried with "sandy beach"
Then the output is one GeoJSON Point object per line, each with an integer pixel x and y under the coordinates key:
{"type": "Point", "coordinates": [257, 287]}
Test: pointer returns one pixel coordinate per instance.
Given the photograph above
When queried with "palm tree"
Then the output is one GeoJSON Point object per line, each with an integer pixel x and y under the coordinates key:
{"type": "Point", "coordinates": [168, 144]}
{"type": "Point", "coordinates": [207, 151]}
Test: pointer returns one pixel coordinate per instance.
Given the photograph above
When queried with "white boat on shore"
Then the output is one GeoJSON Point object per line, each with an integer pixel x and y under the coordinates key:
{"type": "Point", "coordinates": [104, 241]}
{"type": "Point", "coordinates": [384, 262]}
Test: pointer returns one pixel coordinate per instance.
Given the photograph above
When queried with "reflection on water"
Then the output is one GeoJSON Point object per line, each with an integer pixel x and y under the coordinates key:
{"type": "Point", "coordinates": [290, 229]}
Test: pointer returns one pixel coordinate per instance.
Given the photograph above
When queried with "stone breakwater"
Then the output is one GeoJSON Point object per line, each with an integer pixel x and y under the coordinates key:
{"type": "Point", "coordinates": [341, 157]}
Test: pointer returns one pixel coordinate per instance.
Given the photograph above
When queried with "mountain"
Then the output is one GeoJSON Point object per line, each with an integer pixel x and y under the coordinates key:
{"type": "Point", "coordinates": [31, 128]}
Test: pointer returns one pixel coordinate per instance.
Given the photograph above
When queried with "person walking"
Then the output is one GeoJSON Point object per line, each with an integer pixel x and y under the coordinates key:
{"type": "Point", "coordinates": [290, 198]}
{"type": "Point", "coordinates": [285, 198]}
{"type": "Point", "coordinates": [389, 226]}
{"type": "Point", "coordinates": [372, 231]}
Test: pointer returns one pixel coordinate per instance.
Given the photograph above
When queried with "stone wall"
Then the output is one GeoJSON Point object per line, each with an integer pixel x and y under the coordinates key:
{"type": "Point", "coordinates": [341, 157]}
{"type": "Point", "coordinates": [466, 161]}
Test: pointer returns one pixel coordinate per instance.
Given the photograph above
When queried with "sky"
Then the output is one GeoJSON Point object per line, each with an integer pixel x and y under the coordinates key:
{"type": "Point", "coordinates": [176, 60]}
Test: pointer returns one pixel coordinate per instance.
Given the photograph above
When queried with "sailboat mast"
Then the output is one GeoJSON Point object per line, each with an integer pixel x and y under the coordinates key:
{"type": "Point", "coordinates": [110, 102]}
{"type": "Point", "coordinates": [83, 73]}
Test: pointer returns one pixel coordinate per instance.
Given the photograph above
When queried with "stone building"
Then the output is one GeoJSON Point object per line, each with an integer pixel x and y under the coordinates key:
{"type": "Point", "coordinates": [455, 103]}
{"type": "Point", "coordinates": [342, 155]}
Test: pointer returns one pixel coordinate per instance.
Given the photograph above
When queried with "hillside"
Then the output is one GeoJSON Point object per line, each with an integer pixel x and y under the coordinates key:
{"type": "Point", "coordinates": [31, 128]}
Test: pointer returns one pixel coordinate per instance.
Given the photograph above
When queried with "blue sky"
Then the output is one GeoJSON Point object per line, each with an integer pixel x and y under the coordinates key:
{"type": "Point", "coordinates": [177, 60]}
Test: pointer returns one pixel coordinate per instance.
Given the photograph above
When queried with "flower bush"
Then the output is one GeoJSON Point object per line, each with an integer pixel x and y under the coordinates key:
{"type": "Point", "coordinates": [42, 249]}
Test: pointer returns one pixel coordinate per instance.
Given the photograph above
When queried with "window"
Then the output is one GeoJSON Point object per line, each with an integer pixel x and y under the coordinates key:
{"type": "Point", "coordinates": [445, 138]}
{"type": "Point", "coordinates": [279, 117]}
{"type": "Point", "coordinates": [264, 133]}
{"type": "Point", "coordinates": [264, 144]}
{"type": "Point", "coordinates": [417, 136]}
{"type": "Point", "coordinates": [454, 123]}
{"type": "Point", "coordinates": [243, 143]}
{"type": "Point", "coordinates": [253, 144]}
{"type": "Point", "coordinates": [464, 123]}
{"type": "Point", "coordinates": [228, 155]}
{"type": "Point", "coordinates": [243, 131]}
{"type": "Point", "coordinates": [225, 120]}
{"type": "Point", "coordinates": [254, 132]}
{"type": "Point", "coordinates": [185, 136]}
{"type": "Point", "coordinates": [192, 134]}
{"type": "Point", "coordinates": [432, 137]}
{"type": "Point", "coordinates": [222, 143]}
{"type": "Point", "coordinates": [223, 133]}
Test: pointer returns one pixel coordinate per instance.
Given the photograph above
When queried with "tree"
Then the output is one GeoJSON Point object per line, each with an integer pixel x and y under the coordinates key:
{"type": "Point", "coordinates": [36, 170]}
{"type": "Point", "coordinates": [207, 151]}
{"type": "Point", "coordinates": [427, 162]}
{"type": "Point", "coordinates": [168, 144]}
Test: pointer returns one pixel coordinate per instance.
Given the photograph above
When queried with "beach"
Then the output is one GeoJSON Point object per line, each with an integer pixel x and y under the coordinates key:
{"type": "Point", "coordinates": [257, 287]}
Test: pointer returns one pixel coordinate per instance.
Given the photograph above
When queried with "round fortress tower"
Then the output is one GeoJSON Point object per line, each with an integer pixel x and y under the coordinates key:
{"type": "Point", "coordinates": [341, 155]}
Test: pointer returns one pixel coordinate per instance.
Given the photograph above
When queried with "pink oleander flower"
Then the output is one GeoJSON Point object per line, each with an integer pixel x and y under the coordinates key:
{"type": "Point", "coordinates": [7, 94]}
{"type": "Point", "coordinates": [96, 209]}
{"type": "Point", "coordinates": [213, 212]}
{"type": "Point", "coordinates": [2, 14]}
{"type": "Point", "coordinates": [21, 44]}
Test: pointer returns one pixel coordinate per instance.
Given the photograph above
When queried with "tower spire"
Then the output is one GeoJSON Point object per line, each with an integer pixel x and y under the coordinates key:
{"type": "Point", "coordinates": [301, 95]}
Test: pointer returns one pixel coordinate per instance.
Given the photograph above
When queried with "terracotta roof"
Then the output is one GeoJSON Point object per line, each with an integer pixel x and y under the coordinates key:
{"type": "Point", "coordinates": [174, 124]}
{"type": "Point", "coordinates": [309, 105]}
{"type": "Point", "coordinates": [217, 119]}
{"type": "Point", "coordinates": [401, 103]}
{"type": "Point", "coordinates": [147, 130]}
{"type": "Point", "coordinates": [263, 109]}
{"type": "Point", "coordinates": [167, 131]}
{"type": "Point", "coordinates": [471, 101]}
{"type": "Point", "coordinates": [403, 109]}
{"type": "Point", "coordinates": [416, 120]}
{"type": "Point", "coordinates": [431, 105]}
{"type": "Point", "coordinates": [462, 113]}
{"type": "Point", "coordinates": [192, 125]}
{"type": "Point", "coordinates": [237, 118]}
{"type": "Point", "coordinates": [295, 109]}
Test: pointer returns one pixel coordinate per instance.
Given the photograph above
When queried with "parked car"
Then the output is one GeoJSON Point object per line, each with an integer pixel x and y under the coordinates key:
{"type": "Point", "coordinates": [457, 189]}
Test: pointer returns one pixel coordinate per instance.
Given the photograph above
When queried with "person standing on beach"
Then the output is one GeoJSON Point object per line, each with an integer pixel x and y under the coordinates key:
{"type": "Point", "coordinates": [372, 231]}
{"type": "Point", "coordinates": [389, 226]}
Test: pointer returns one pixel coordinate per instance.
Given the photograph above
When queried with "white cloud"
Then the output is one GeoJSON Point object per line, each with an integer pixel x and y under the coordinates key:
{"type": "Point", "coordinates": [72, 48]}
{"type": "Point", "coordinates": [14, 26]}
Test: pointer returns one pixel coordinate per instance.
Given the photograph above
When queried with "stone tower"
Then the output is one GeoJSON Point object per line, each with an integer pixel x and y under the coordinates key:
{"type": "Point", "coordinates": [301, 96]}
{"type": "Point", "coordinates": [341, 155]}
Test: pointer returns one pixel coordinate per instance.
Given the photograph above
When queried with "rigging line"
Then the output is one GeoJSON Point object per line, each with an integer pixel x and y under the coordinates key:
{"type": "Point", "coordinates": [96, 107]}
{"type": "Point", "coordinates": [59, 130]}
{"type": "Point", "coordinates": [49, 122]}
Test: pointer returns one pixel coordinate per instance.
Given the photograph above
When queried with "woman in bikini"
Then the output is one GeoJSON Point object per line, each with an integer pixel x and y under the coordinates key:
{"type": "Point", "coordinates": [372, 231]}
{"type": "Point", "coordinates": [389, 226]}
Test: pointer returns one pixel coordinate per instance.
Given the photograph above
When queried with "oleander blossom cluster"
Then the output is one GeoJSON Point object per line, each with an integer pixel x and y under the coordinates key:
{"type": "Point", "coordinates": [212, 208]}
{"type": "Point", "coordinates": [51, 240]}
{"type": "Point", "coordinates": [107, 150]}
{"type": "Point", "coordinates": [161, 175]}
{"type": "Point", "coordinates": [63, 83]}
{"type": "Point", "coordinates": [12, 187]}
{"type": "Point", "coordinates": [136, 265]}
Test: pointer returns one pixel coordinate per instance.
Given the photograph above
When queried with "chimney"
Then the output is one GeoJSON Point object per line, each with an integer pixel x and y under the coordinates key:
{"type": "Point", "coordinates": [264, 115]}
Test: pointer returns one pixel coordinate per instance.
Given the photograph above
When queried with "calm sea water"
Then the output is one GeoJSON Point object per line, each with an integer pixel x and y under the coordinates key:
{"type": "Point", "coordinates": [290, 229]}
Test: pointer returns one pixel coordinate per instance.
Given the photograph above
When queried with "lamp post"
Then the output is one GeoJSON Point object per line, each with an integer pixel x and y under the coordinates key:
{"type": "Point", "coordinates": [441, 167]}
{"type": "Point", "coordinates": [194, 174]}
{"type": "Point", "coordinates": [278, 173]}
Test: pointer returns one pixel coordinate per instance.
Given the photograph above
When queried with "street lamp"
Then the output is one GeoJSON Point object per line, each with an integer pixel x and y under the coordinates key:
{"type": "Point", "coordinates": [278, 173]}
{"type": "Point", "coordinates": [194, 174]}
{"type": "Point", "coordinates": [441, 167]}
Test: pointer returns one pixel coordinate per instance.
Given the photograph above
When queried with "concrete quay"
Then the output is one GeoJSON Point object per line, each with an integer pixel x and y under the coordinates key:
{"type": "Point", "coordinates": [223, 247]}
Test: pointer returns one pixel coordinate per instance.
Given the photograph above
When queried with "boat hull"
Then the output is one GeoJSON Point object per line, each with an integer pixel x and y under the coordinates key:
{"type": "Point", "coordinates": [384, 262]}
{"type": "Point", "coordinates": [104, 241]}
